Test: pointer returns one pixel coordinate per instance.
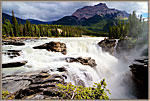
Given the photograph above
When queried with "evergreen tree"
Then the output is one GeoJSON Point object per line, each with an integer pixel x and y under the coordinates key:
{"type": "Point", "coordinates": [15, 25]}
{"type": "Point", "coordinates": [28, 28]}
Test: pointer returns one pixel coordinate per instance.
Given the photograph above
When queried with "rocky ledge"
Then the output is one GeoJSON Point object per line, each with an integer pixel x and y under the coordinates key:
{"type": "Point", "coordinates": [32, 85]}
{"type": "Point", "coordinates": [54, 47]}
{"type": "Point", "coordinates": [139, 69]}
{"type": "Point", "coordinates": [13, 64]}
{"type": "Point", "coordinates": [107, 45]}
{"type": "Point", "coordinates": [84, 61]}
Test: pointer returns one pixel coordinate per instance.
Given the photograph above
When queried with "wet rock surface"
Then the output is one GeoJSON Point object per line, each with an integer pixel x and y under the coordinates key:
{"type": "Point", "coordinates": [13, 64]}
{"type": "Point", "coordinates": [12, 53]}
{"type": "Point", "coordinates": [32, 85]}
{"type": "Point", "coordinates": [84, 61]}
{"type": "Point", "coordinates": [54, 47]}
{"type": "Point", "coordinates": [108, 45]}
{"type": "Point", "coordinates": [139, 69]}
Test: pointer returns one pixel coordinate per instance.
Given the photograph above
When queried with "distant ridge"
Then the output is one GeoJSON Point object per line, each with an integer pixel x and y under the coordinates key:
{"type": "Point", "coordinates": [23, 21]}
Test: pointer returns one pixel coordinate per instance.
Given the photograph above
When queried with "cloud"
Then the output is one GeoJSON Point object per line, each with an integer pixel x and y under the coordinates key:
{"type": "Point", "coordinates": [139, 7]}
{"type": "Point", "coordinates": [50, 10]}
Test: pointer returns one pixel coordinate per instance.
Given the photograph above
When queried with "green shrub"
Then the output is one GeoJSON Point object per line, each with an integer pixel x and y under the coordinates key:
{"type": "Point", "coordinates": [98, 91]}
{"type": "Point", "coordinates": [4, 94]}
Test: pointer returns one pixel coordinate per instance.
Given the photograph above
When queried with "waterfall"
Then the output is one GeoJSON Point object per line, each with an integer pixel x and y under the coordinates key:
{"type": "Point", "coordinates": [109, 67]}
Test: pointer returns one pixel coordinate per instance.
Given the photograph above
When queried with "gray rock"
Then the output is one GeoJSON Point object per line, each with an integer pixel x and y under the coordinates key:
{"type": "Point", "coordinates": [31, 85]}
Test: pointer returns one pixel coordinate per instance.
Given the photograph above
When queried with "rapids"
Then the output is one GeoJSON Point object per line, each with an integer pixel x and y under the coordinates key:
{"type": "Point", "coordinates": [115, 71]}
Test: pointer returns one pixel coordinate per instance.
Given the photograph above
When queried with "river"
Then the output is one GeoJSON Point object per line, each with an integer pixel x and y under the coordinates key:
{"type": "Point", "coordinates": [116, 72]}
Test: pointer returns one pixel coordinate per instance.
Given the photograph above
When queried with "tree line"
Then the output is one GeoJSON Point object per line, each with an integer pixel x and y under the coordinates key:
{"type": "Point", "coordinates": [131, 28]}
{"type": "Point", "coordinates": [40, 30]}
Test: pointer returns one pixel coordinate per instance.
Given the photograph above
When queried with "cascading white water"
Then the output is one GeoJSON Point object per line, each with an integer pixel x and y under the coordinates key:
{"type": "Point", "coordinates": [108, 67]}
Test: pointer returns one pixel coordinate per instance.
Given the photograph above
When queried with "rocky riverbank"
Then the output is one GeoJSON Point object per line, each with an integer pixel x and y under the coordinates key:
{"type": "Point", "coordinates": [32, 85]}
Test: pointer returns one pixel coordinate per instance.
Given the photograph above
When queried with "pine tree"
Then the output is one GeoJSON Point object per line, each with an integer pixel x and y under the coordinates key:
{"type": "Point", "coordinates": [28, 26]}
{"type": "Point", "coordinates": [15, 25]}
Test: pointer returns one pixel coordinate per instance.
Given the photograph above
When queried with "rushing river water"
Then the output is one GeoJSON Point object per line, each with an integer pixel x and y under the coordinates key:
{"type": "Point", "coordinates": [115, 72]}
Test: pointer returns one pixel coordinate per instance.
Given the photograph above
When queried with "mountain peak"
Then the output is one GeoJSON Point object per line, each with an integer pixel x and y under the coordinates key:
{"type": "Point", "coordinates": [99, 9]}
{"type": "Point", "coordinates": [101, 4]}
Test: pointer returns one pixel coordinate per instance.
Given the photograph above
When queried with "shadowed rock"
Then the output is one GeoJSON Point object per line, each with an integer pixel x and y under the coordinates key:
{"type": "Point", "coordinates": [107, 45]}
{"type": "Point", "coordinates": [13, 64]}
{"type": "Point", "coordinates": [139, 69]}
{"type": "Point", "coordinates": [84, 61]}
{"type": "Point", "coordinates": [12, 53]}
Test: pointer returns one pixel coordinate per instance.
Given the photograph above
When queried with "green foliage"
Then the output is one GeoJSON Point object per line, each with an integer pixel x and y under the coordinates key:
{"type": "Point", "coordinates": [41, 30]}
{"type": "Point", "coordinates": [4, 94]}
{"type": "Point", "coordinates": [98, 91]}
{"type": "Point", "coordinates": [15, 25]}
{"type": "Point", "coordinates": [118, 31]}
{"type": "Point", "coordinates": [134, 28]}
{"type": "Point", "coordinates": [95, 26]}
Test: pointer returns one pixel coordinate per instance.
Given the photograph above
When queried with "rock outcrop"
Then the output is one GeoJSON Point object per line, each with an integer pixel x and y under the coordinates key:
{"type": "Point", "coordinates": [84, 61]}
{"type": "Point", "coordinates": [54, 47]}
{"type": "Point", "coordinates": [13, 64]}
{"type": "Point", "coordinates": [139, 69]}
{"type": "Point", "coordinates": [108, 45]}
{"type": "Point", "coordinates": [32, 85]}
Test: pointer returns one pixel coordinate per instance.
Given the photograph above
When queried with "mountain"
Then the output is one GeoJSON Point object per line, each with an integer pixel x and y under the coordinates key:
{"type": "Point", "coordinates": [23, 21]}
{"type": "Point", "coordinates": [101, 9]}
{"type": "Point", "coordinates": [67, 20]}
{"type": "Point", "coordinates": [91, 15]}
{"type": "Point", "coordinates": [6, 16]}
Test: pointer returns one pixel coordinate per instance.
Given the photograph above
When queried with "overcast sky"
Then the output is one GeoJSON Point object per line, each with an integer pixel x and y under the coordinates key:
{"type": "Point", "coordinates": [49, 11]}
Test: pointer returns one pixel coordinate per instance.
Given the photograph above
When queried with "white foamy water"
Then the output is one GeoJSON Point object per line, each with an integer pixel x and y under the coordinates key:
{"type": "Point", "coordinates": [115, 72]}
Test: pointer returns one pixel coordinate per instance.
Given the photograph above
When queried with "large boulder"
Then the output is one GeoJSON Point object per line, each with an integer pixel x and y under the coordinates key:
{"type": "Point", "coordinates": [54, 47]}
{"type": "Point", "coordinates": [84, 61]}
{"type": "Point", "coordinates": [139, 69]}
{"type": "Point", "coordinates": [32, 85]}
{"type": "Point", "coordinates": [108, 45]}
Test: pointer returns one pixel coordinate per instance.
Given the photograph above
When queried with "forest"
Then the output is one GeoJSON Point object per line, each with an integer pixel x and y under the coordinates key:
{"type": "Point", "coordinates": [132, 27]}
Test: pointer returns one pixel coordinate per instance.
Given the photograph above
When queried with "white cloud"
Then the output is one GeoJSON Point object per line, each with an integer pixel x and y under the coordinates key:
{"type": "Point", "coordinates": [139, 7]}
{"type": "Point", "coordinates": [54, 10]}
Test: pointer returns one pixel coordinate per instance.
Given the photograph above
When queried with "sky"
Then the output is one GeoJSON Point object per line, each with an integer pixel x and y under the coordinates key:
{"type": "Point", "coordinates": [51, 11]}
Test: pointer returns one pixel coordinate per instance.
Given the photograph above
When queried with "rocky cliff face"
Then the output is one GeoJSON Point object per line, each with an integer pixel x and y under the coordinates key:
{"type": "Point", "coordinates": [139, 70]}
{"type": "Point", "coordinates": [108, 45]}
{"type": "Point", "coordinates": [100, 9]}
